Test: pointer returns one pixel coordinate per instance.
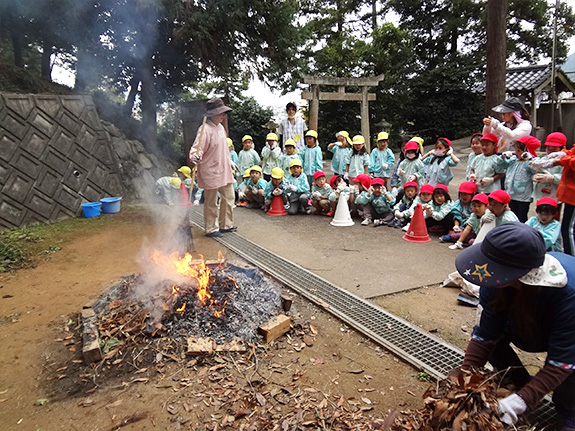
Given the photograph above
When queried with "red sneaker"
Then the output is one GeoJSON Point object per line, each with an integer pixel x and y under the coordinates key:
{"type": "Point", "coordinates": [329, 214]}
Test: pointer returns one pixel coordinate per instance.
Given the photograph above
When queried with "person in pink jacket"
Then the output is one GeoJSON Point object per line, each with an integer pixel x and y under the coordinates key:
{"type": "Point", "coordinates": [214, 170]}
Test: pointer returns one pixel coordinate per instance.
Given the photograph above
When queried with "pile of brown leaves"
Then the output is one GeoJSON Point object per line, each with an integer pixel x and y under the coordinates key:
{"type": "Point", "coordinates": [459, 403]}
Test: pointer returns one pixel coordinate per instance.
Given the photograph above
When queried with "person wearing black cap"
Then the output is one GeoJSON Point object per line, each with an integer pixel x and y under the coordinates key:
{"type": "Point", "coordinates": [515, 123]}
{"type": "Point", "coordinates": [528, 299]}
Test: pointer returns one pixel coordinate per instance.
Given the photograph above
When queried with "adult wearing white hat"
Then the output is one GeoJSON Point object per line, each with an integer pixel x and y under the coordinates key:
{"type": "Point", "coordinates": [514, 125]}
{"type": "Point", "coordinates": [211, 156]}
{"type": "Point", "coordinates": [528, 299]}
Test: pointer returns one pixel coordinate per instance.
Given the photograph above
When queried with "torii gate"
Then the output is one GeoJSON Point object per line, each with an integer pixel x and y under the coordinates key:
{"type": "Point", "coordinates": [364, 97]}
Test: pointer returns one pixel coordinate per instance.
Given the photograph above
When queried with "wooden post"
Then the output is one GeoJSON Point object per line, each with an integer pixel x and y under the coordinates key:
{"type": "Point", "coordinates": [365, 118]}
{"type": "Point", "coordinates": [314, 111]}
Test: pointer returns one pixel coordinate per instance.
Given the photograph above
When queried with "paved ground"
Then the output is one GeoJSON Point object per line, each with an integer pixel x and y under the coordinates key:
{"type": "Point", "coordinates": [365, 260]}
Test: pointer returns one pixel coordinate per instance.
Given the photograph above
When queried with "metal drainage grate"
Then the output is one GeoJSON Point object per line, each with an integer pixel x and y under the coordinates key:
{"type": "Point", "coordinates": [412, 344]}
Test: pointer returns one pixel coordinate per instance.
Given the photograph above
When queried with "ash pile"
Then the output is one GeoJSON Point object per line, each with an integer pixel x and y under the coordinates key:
{"type": "Point", "coordinates": [179, 302]}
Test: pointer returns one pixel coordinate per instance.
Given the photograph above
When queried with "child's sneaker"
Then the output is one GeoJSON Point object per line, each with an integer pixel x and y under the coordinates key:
{"type": "Point", "coordinates": [445, 238]}
{"type": "Point", "coordinates": [457, 246]}
{"type": "Point", "coordinates": [377, 222]}
{"type": "Point", "coordinates": [405, 228]}
{"type": "Point", "coordinates": [308, 211]}
{"type": "Point", "coordinates": [329, 213]}
{"type": "Point", "coordinates": [366, 221]}
{"type": "Point", "coordinates": [286, 206]}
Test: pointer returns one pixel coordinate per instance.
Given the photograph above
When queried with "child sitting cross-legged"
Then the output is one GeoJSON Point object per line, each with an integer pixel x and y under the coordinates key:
{"type": "Point", "coordinates": [298, 189]}
{"type": "Point", "coordinates": [276, 187]}
{"type": "Point", "coordinates": [479, 204]}
{"type": "Point", "coordinates": [255, 188]}
{"type": "Point", "coordinates": [380, 205]}
{"type": "Point", "coordinates": [425, 198]}
{"type": "Point", "coordinates": [460, 211]}
{"type": "Point", "coordinates": [403, 204]}
{"type": "Point", "coordinates": [320, 192]}
{"type": "Point", "coordinates": [545, 223]}
{"type": "Point", "coordinates": [436, 211]}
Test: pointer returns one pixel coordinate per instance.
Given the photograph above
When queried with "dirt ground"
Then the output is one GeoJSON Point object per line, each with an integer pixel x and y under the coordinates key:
{"type": "Point", "coordinates": [320, 365]}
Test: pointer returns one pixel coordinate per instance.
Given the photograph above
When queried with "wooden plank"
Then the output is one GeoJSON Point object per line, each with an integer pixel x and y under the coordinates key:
{"type": "Point", "coordinates": [275, 328]}
{"type": "Point", "coordinates": [200, 346]}
{"type": "Point", "coordinates": [370, 81]}
{"type": "Point", "coordinates": [236, 345]}
{"type": "Point", "coordinates": [91, 351]}
{"type": "Point", "coordinates": [347, 97]}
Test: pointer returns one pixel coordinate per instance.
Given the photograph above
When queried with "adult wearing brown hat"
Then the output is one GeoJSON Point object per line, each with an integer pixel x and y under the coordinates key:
{"type": "Point", "coordinates": [515, 123]}
{"type": "Point", "coordinates": [211, 156]}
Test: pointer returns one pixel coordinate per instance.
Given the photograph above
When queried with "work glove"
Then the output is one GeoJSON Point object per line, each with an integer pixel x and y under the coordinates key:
{"type": "Point", "coordinates": [234, 167]}
{"type": "Point", "coordinates": [277, 192]}
{"type": "Point", "coordinates": [293, 187]}
{"type": "Point", "coordinates": [196, 158]}
{"type": "Point", "coordinates": [401, 172]}
{"type": "Point", "coordinates": [543, 177]}
{"type": "Point", "coordinates": [544, 164]}
{"type": "Point", "coordinates": [526, 156]}
{"type": "Point", "coordinates": [450, 151]}
{"type": "Point", "coordinates": [457, 228]}
{"type": "Point", "coordinates": [370, 191]}
{"type": "Point", "coordinates": [384, 166]}
{"type": "Point", "coordinates": [510, 407]}
{"type": "Point", "coordinates": [487, 181]}
{"type": "Point", "coordinates": [507, 154]}
{"type": "Point", "coordinates": [398, 214]}
{"type": "Point", "coordinates": [557, 155]}
{"type": "Point", "coordinates": [341, 187]}
{"type": "Point", "coordinates": [383, 189]}
{"type": "Point", "coordinates": [394, 191]}
{"type": "Point", "coordinates": [355, 189]}
{"type": "Point", "coordinates": [457, 246]}
{"type": "Point", "coordinates": [339, 144]}
{"type": "Point", "coordinates": [346, 176]}
{"type": "Point", "coordinates": [316, 195]}
{"type": "Point", "coordinates": [196, 202]}
{"type": "Point", "coordinates": [488, 217]}
{"type": "Point", "coordinates": [412, 178]}
{"type": "Point", "coordinates": [241, 195]}
{"type": "Point", "coordinates": [472, 178]}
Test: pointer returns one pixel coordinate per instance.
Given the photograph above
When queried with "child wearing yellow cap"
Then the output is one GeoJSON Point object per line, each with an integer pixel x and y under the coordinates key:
{"type": "Point", "coordinates": [340, 149]}
{"type": "Point", "coordinates": [271, 155]}
{"type": "Point", "coordinates": [276, 187]}
{"type": "Point", "coordinates": [247, 157]}
{"type": "Point", "coordinates": [255, 188]}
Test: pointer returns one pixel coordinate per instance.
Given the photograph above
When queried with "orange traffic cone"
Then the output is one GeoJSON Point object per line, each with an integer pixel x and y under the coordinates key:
{"type": "Point", "coordinates": [342, 216]}
{"type": "Point", "coordinates": [183, 196]}
{"type": "Point", "coordinates": [277, 207]}
{"type": "Point", "coordinates": [417, 231]}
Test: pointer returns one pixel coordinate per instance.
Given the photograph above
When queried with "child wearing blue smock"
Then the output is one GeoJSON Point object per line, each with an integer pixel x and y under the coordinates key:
{"type": "Point", "coordinates": [403, 203]}
{"type": "Point", "coordinates": [425, 198]}
{"type": "Point", "coordinates": [486, 168]}
{"type": "Point", "coordinates": [475, 143]}
{"type": "Point", "coordinates": [291, 154]}
{"type": "Point", "coordinates": [357, 160]}
{"type": "Point", "coordinates": [247, 157]}
{"type": "Point", "coordinates": [439, 162]}
{"type": "Point", "coordinates": [298, 189]}
{"type": "Point", "coordinates": [381, 159]}
{"type": "Point", "coordinates": [311, 156]}
{"type": "Point", "coordinates": [436, 211]}
{"type": "Point", "coordinates": [519, 175]}
{"type": "Point", "coordinates": [545, 181]}
{"type": "Point", "coordinates": [411, 168]}
{"type": "Point", "coordinates": [545, 223]}
{"type": "Point", "coordinates": [461, 208]}
{"type": "Point", "coordinates": [341, 149]}
{"type": "Point", "coordinates": [276, 187]}
{"type": "Point", "coordinates": [255, 187]}
{"type": "Point", "coordinates": [380, 205]}
{"type": "Point", "coordinates": [338, 186]}
{"type": "Point", "coordinates": [271, 154]}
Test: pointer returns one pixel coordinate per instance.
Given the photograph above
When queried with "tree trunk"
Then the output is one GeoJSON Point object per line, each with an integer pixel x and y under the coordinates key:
{"type": "Point", "coordinates": [149, 129]}
{"type": "Point", "coordinates": [496, 53]}
{"type": "Point", "coordinates": [17, 45]}
{"type": "Point", "coordinates": [131, 98]}
{"type": "Point", "coordinates": [46, 70]}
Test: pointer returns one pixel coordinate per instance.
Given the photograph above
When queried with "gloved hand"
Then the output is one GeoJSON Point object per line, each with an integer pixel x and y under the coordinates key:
{"type": "Point", "coordinates": [254, 190]}
{"type": "Point", "coordinates": [293, 187]}
{"type": "Point", "coordinates": [275, 144]}
{"type": "Point", "coordinates": [557, 155]}
{"type": "Point", "coordinates": [457, 228]}
{"type": "Point", "coordinates": [398, 214]}
{"type": "Point", "coordinates": [544, 164]}
{"type": "Point", "coordinates": [234, 167]}
{"type": "Point", "coordinates": [394, 191]}
{"type": "Point", "coordinates": [488, 217]}
{"type": "Point", "coordinates": [346, 176]}
{"type": "Point", "coordinates": [384, 166]}
{"type": "Point", "coordinates": [316, 195]}
{"type": "Point", "coordinates": [338, 143]}
{"type": "Point", "coordinates": [383, 189]}
{"type": "Point", "coordinates": [472, 178]}
{"type": "Point", "coordinates": [196, 202]}
{"type": "Point", "coordinates": [341, 186]}
{"type": "Point", "coordinates": [510, 407]}
{"type": "Point", "coordinates": [412, 178]}
{"type": "Point", "coordinates": [487, 181]}
{"type": "Point", "coordinates": [526, 156]}
{"type": "Point", "coordinates": [277, 192]}
{"type": "Point", "coordinates": [355, 189]}
{"type": "Point", "coordinates": [507, 154]}
{"type": "Point", "coordinates": [401, 172]}
{"type": "Point", "coordinates": [196, 158]}
{"type": "Point", "coordinates": [241, 195]}
{"type": "Point", "coordinates": [457, 246]}
{"type": "Point", "coordinates": [370, 191]}
{"type": "Point", "coordinates": [450, 151]}
{"type": "Point", "coordinates": [543, 177]}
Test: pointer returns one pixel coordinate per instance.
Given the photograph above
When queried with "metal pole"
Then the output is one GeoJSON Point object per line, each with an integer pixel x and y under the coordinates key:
{"type": "Point", "coordinates": [553, 66]}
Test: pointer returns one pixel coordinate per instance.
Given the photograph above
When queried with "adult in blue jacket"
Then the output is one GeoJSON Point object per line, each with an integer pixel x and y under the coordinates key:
{"type": "Point", "coordinates": [528, 299]}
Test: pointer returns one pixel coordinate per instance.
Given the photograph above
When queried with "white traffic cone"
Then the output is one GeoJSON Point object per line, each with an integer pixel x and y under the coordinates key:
{"type": "Point", "coordinates": [483, 231]}
{"type": "Point", "coordinates": [342, 216]}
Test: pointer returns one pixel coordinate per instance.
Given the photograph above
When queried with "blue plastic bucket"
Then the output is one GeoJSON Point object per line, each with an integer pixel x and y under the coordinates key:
{"type": "Point", "coordinates": [91, 209]}
{"type": "Point", "coordinates": [110, 205]}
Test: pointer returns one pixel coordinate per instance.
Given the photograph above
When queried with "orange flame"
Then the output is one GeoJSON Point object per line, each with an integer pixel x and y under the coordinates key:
{"type": "Point", "coordinates": [182, 308]}
{"type": "Point", "coordinates": [219, 313]}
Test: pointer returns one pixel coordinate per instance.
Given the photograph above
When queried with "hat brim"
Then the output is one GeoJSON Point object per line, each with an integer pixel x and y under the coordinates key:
{"type": "Point", "coordinates": [502, 109]}
{"type": "Point", "coordinates": [218, 111]}
{"type": "Point", "coordinates": [550, 274]}
{"type": "Point", "coordinates": [478, 269]}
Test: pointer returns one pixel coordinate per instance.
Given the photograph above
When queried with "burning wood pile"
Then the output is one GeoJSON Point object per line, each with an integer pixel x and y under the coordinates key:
{"type": "Point", "coordinates": [185, 300]}
{"type": "Point", "coordinates": [466, 402]}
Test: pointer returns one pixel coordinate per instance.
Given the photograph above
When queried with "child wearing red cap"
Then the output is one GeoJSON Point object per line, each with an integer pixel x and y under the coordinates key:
{"type": "Point", "coordinates": [411, 168]}
{"type": "Point", "coordinates": [439, 162]}
{"type": "Point", "coordinates": [403, 202]}
{"type": "Point", "coordinates": [338, 186]}
{"type": "Point", "coordinates": [545, 181]}
{"type": "Point", "coordinates": [486, 169]}
{"type": "Point", "coordinates": [460, 210]}
{"type": "Point", "coordinates": [436, 211]}
{"type": "Point", "coordinates": [380, 205]}
{"type": "Point", "coordinates": [320, 192]}
{"type": "Point", "coordinates": [519, 175]}
{"type": "Point", "coordinates": [545, 223]}
{"type": "Point", "coordinates": [498, 209]}
{"type": "Point", "coordinates": [479, 204]}
{"type": "Point", "coordinates": [425, 198]}
{"type": "Point", "coordinates": [361, 196]}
